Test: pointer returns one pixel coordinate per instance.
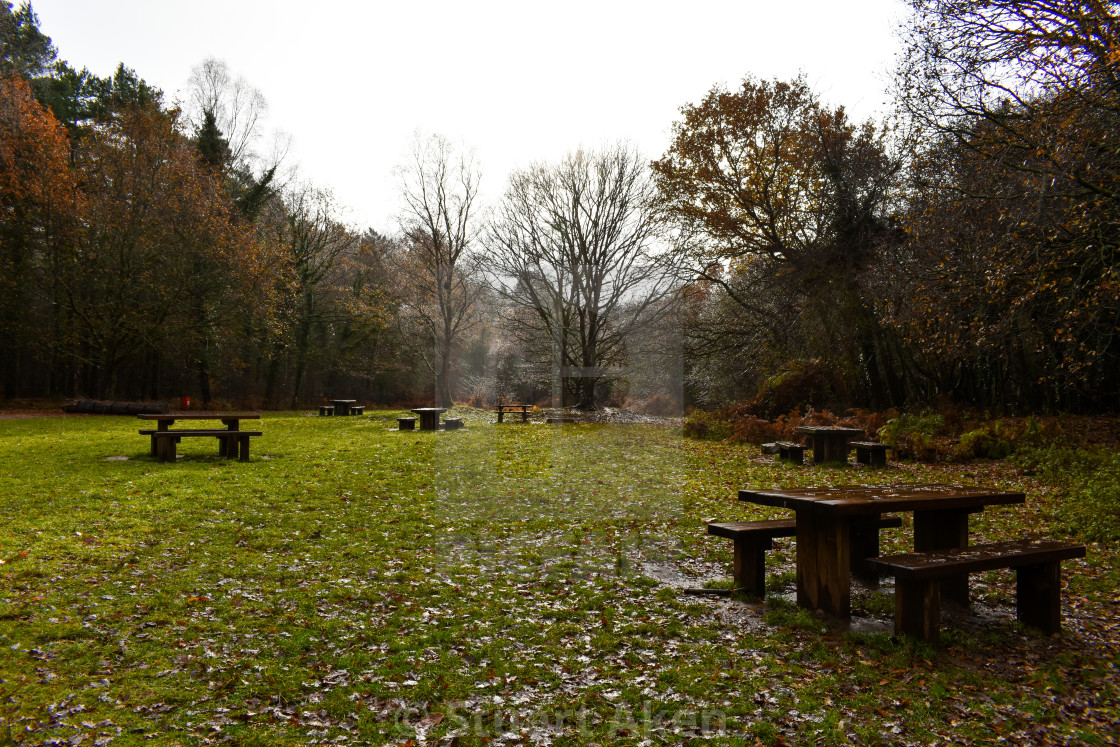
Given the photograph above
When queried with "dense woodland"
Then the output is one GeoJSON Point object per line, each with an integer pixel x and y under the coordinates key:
{"type": "Point", "coordinates": [965, 249]}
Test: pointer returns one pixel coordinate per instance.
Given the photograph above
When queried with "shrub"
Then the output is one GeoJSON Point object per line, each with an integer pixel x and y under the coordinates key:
{"type": "Point", "coordinates": [799, 384]}
{"type": "Point", "coordinates": [913, 436]}
{"type": "Point", "coordinates": [1088, 481]}
{"type": "Point", "coordinates": [706, 425]}
{"type": "Point", "coordinates": [658, 404]}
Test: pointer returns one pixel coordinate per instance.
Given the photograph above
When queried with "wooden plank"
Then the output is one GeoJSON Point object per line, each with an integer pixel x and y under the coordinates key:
{"type": "Point", "coordinates": [1038, 599]}
{"type": "Point", "coordinates": [823, 574]}
{"type": "Point", "coordinates": [917, 609]}
{"type": "Point", "coordinates": [939, 530]}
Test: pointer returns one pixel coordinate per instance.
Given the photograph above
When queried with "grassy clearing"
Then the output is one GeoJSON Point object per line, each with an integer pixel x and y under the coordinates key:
{"type": "Point", "coordinates": [500, 584]}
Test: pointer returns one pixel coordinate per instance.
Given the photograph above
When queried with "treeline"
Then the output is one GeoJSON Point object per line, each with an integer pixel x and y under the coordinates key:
{"type": "Point", "coordinates": [149, 252]}
{"type": "Point", "coordinates": [965, 250]}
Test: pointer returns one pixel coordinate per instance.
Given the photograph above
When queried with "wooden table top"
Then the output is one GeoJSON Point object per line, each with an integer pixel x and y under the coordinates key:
{"type": "Point", "coordinates": [203, 416]}
{"type": "Point", "coordinates": [871, 499]}
{"type": "Point", "coordinates": [826, 429]}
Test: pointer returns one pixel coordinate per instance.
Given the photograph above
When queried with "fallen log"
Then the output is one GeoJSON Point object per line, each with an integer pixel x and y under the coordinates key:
{"type": "Point", "coordinates": [101, 407]}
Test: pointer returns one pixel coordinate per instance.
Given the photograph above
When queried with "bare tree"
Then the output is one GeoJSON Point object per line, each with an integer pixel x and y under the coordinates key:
{"type": "Point", "coordinates": [439, 187]}
{"type": "Point", "coordinates": [313, 239]}
{"type": "Point", "coordinates": [237, 107]}
{"type": "Point", "coordinates": [572, 244]}
{"type": "Point", "coordinates": [1039, 79]}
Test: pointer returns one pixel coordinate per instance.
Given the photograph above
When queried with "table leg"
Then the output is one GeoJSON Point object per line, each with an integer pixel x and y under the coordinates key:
{"type": "Point", "coordinates": [823, 563]}
{"type": "Point", "coordinates": [161, 425]}
{"type": "Point", "coordinates": [830, 448]}
{"type": "Point", "coordinates": [942, 530]}
{"type": "Point", "coordinates": [865, 544]}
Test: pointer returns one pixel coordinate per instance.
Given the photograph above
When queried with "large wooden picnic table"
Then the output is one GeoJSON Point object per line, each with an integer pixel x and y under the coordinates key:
{"type": "Point", "coordinates": [342, 406]}
{"type": "Point", "coordinates": [231, 420]}
{"type": "Point", "coordinates": [826, 517]}
{"type": "Point", "coordinates": [429, 417]}
{"type": "Point", "coordinates": [830, 442]}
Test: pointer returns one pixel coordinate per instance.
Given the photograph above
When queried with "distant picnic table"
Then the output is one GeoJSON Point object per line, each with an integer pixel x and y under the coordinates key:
{"type": "Point", "coordinates": [233, 443]}
{"type": "Point", "coordinates": [830, 442]}
{"type": "Point", "coordinates": [523, 409]}
{"type": "Point", "coordinates": [429, 417]}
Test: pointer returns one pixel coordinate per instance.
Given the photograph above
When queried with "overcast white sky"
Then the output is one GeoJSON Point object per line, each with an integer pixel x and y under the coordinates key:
{"type": "Point", "coordinates": [519, 82]}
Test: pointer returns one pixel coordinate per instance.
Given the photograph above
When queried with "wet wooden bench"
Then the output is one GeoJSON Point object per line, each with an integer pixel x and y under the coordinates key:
{"type": "Point", "coordinates": [754, 538]}
{"type": "Point", "coordinates": [523, 409]}
{"type": "Point", "coordinates": [326, 409]}
{"type": "Point", "coordinates": [406, 424]}
{"type": "Point", "coordinates": [231, 444]}
{"type": "Point", "coordinates": [452, 424]}
{"type": "Point", "coordinates": [1037, 564]}
{"type": "Point", "coordinates": [870, 453]}
{"type": "Point", "coordinates": [791, 451]}
{"type": "Point", "coordinates": [357, 409]}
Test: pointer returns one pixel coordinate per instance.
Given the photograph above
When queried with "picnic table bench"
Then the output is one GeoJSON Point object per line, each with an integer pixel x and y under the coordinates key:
{"type": "Point", "coordinates": [1037, 564]}
{"type": "Point", "coordinates": [870, 453]}
{"type": "Point", "coordinates": [754, 538]}
{"type": "Point", "coordinates": [523, 409]}
{"type": "Point", "coordinates": [232, 441]}
{"type": "Point", "coordinates": [406, 424]}
{"type": "Point", "coordinates": [790, 451]}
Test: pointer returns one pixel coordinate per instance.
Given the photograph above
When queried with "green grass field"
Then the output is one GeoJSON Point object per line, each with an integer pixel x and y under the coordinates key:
{"type": "Point", "coordinates": [512, 584]}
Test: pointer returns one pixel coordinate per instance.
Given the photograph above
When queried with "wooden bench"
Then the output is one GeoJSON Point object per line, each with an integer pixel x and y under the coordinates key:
{"type": "Point", "coordinates": [452, 424]}
{"type": "Point", "coordinates": [754, 538]}
{"type": "Point", "coordinates": [870, 453]}
{"type": "Point", "coordinates": [326, 409]}
{"type": "Point", "coordinates": [357, 409]}
{"type": "Point", "coordinates": [523, 409]}
{"type": "Point", "coordinates": [1037, 564]}
{"type": "Point", "coordinates": [406, 424]}
{"type": "Point", "coordinates": [791, 451]}
{"type": "Point", "coordinates": [231, 444]}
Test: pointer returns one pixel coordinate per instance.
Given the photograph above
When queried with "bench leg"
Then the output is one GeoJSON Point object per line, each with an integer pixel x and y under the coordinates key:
{"type": "Point", "coordinates": [797, 456]}
{"type": "Point", "coordinates": [524, 416]}
{"type": "Point", "coordinates": [865, 544]}
{"type": "Point", "coordinates": [499, 415]}
{"type": "Point", "coordinates": [167, 449]}
{"type": "Point", "coordinates": [750, 565]}
{"type": "Point", "coordinates": [1039, 596]}
{"type": "Point", "coordinates": [242, 448]}
{"type": "Point", "coordinates": [877, 458]}
{"type": "Point", "coordinates": [917, 609]}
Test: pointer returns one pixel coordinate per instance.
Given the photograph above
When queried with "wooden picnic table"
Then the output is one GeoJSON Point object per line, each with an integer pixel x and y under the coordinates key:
{"type": "Point", "coordinates": [830, 442]}
{"type": "Point", "coordinates": [342, 406]}
{"type": "Point", "coordinates": [163, 446]}
{"type": "Point", "coordinates": [826, 516]}
{"type": "Point", "coordinates": [523, 409]}
{"type": "Point", "coordinates": [429, 417]}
